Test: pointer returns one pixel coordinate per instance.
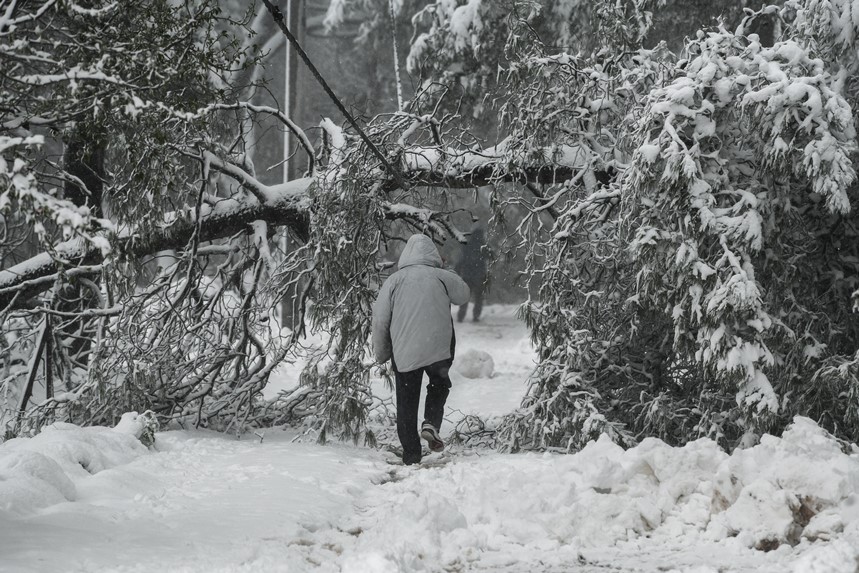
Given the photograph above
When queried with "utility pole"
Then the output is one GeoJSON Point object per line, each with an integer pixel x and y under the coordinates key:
{"type": "Point", "coordinates": [294, 16]}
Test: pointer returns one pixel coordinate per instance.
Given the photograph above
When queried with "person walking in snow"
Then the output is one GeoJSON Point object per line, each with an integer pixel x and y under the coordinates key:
{"type": "Point", "coordinates": [472, 268]}
{"type": "Point", "coordinates": [413, 328]}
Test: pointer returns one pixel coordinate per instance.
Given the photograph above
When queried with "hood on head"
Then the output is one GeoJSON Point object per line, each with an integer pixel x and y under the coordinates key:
{"type": "Point", "coordinates": [420, 250]}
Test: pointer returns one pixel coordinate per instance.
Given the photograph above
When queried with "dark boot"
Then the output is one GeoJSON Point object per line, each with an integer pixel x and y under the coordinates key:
{"type": "Point", "coordinates": [430, 434]}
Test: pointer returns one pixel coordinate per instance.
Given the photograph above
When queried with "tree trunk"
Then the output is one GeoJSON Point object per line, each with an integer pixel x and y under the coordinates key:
{"type": "Point", "coordinates": [84, 161]}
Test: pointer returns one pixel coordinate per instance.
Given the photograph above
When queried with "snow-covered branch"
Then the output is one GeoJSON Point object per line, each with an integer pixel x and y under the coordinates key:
{"type": "Point", "coordinates": [285, 205]}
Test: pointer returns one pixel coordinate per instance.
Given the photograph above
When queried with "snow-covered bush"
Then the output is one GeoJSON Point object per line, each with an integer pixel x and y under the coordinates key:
{"type": "Point", "coordinates": [141, 426]}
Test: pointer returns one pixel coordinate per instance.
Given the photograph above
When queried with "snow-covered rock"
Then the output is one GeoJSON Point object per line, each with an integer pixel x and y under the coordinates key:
{"type": "Point", "coordinates": [474, 364]}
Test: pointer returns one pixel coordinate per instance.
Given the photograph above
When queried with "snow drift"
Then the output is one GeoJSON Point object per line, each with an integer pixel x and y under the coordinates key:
{"type": "Point", "coordinates": [787, 504]}
{"type": "Point", "coordinates": [795, 492]}
{"type": "Point", "coordinates": [41, 471]}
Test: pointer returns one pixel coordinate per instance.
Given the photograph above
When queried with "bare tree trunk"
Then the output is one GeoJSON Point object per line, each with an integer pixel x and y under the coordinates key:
{"type": "Point", "coordinates": [84, 163]}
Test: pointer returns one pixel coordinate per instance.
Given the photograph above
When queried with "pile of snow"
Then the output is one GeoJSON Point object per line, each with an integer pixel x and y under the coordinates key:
{"type": "Point", "coordinates": [474, 364]}
{"type": "Point", "coordinates": [791, 493]}
{"type": "Point", "coordinates": [42, 471]}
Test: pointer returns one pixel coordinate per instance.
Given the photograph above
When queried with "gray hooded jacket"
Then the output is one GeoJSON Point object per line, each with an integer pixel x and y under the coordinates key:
{"type": "Point", "coordinates": [411, 316]}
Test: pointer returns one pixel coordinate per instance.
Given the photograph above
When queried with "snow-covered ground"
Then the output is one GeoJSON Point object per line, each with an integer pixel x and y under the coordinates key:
{"type": "Point", "coordinates": [94, 499]}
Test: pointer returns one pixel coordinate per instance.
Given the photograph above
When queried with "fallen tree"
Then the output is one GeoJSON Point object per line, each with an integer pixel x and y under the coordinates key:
{"type": "Point", "coordinates": [283, 205]}
{"type": "Point", "coordinates": [688, 224]}
{"type": "Point", "coordinates": [187, 334]}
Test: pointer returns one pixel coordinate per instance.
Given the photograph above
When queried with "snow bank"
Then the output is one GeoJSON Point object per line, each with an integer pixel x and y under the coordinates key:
{"type": "Point", "coordinates": [797, 486]}
{"type": "Point", "coordinates": [793, 491]}
{"type": "Point", "coordinates": [41, 471]}
{"type": "Point", "coordinates": [474, 364]}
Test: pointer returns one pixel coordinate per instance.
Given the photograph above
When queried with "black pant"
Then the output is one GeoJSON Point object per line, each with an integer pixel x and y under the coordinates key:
{"type": "Point", "coordinates": [477, 295]}
{"type": "Point", "coordinates": [408, 400]}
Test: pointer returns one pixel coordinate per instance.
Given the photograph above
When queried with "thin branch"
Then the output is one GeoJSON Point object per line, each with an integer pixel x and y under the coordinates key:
{"type": "Point", "coordinates": [550, 209]}
{"type": "Point", "coordinates": [284, 119]}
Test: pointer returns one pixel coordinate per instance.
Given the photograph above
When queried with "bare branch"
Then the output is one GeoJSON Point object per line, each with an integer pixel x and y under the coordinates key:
{"type": "Point", "coordinates": [290, 125]}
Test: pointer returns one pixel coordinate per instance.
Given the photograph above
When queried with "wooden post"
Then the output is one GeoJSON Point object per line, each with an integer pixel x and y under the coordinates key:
{"type": "Point", "coordinates": [34, 366]}
{"type": "Point", "coordinates": [49, 366]}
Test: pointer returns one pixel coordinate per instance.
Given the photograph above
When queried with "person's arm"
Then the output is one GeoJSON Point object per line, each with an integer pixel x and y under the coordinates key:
{"type": "Point", "coordinates": [457, 290]}
{"type": "Point", "coordinates": [382, 311]}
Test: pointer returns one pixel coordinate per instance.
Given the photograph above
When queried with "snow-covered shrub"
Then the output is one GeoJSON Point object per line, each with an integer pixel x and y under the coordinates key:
{"type": "Point", "coordinates": [141, 426]}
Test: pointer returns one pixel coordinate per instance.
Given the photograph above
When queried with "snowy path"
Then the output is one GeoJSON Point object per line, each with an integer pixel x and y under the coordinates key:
{"type": "Point", "coordinates": [205, 502]}
{"type": "Point", "coordinates": [210, 503]}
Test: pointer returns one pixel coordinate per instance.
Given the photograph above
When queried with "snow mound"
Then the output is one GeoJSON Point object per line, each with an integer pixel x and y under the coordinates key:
{"type": "Point", "coordinates": [41, 471]}
{"type": "Point", "coordinates": [789, 491]}
{"type": "Point", "coordinates": [474, 364]}
{"type": "Point", "coordinates": [784, 489]}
